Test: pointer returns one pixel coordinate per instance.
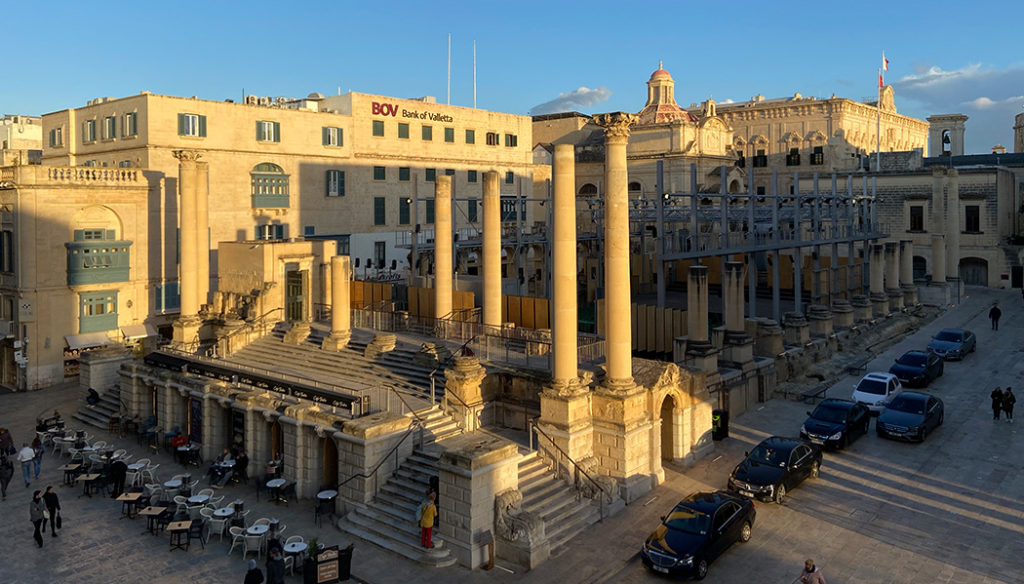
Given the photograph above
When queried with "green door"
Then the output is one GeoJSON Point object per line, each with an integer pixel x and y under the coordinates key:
{"type": "Point", "coordinates": [294, 299]}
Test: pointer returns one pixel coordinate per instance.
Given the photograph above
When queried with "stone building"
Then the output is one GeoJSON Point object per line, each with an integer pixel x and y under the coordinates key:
{"type": "Point", "coordinates": [21, 139]}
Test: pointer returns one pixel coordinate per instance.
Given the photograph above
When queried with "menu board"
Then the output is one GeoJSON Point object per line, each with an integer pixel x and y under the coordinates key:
{"type": "Point", "coordinates": [327, 569]}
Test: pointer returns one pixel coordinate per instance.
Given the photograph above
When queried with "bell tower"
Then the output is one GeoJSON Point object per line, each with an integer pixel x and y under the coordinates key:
{"type": "Point", "coordinates": [946, 135]}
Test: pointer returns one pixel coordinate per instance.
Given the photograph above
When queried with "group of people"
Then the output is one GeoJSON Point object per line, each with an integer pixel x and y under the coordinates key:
{"type": "Point", "coordinates": [44, 507]}
{"type": "Point", "coordinates": [220, 473]}
{"type": "Point", "coordinates": [1002, 402]}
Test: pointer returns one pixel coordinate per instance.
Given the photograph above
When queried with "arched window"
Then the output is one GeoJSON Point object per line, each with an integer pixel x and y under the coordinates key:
{"type": "Point", "coordinates": [269, 186]}
{"type": "Point", "coordinates": [634, 187]}
{"type": "Point", "coordinates": [588, 189]}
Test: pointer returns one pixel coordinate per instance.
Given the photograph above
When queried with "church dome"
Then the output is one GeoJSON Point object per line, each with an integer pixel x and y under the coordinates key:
{"type": "Point", "coordinates": [660, 74]}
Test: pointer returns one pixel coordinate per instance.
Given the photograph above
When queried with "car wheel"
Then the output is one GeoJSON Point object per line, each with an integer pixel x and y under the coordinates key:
{"type": "Point", "coordinates": [745, 533]}
{"type": "Point", "coordinates": [924, 433]}
{"type": "Point", "coordinates": [867, 426]}
{"type": "Point", "coordinates": [702, 569]}
{"type": "Point", "coordinates": [941, 417]}
{"type": "Point", "coordinates": [780, 494]}
{"type": "Point", "coordinates": [816, 470]}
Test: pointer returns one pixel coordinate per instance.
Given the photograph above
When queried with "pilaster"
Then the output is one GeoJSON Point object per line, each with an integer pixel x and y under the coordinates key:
{"type": "Point", "coordinates": [622, 439]}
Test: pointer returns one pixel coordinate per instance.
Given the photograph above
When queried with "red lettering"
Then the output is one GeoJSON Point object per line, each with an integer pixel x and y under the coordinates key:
{"type": "Point", "coordinates": [375, 108]}
{"type": "Point", "coordinates": [384, 109]}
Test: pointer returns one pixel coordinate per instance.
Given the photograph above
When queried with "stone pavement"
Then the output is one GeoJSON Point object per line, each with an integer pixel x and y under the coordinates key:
{"type": "Point", "coordinates": [948, 510]}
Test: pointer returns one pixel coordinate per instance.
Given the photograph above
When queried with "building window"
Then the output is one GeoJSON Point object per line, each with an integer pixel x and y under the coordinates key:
{"type": "Point", "coordinates": [404, 206]}
{"type": "Point", "coordinates": [508, 209]}
{"type": "Point", "coordinates": [378, 211]}
{"type": "Point", "coordinates": [818, 156]}
{"type": "Point", "coordinates": [741, 162]}
{"type": "Point", "coordinates": [972, 216]}
{"type": "Point", "coordinates": [917, 218]}
{"type": "Point", "coordinates": [427, 132]}
{"type": "Point", "coordinates": [7, 252]}
{"type": "Point", "coordinates": [510, 177]}
{"type": "Point", "coordinates": [793, 158]}
{"type": "Point", "coordinates": [449, 134]}
{"type": "Point", "coordinates": [130, 125]}
{"type": "Point", "coordinates": [492, 138]}
{"type": "Point", "coordinates": [192, 125]}
{"type": "Point", "coordinates": [270, 231]}
{"type": "Point", "coordinates": [470, 137]}
{"type": "Point", "coordinates": [471, 214]}
{"type": "Point", "coordinates": [403, 130]}
{"type": "Point", "coordinates": [430, 174]}
{"type": "Point", "coordinates": [379, 173]}
{"type": "Point", "coordinates": [760, 159]}
{"type": "Point", "coordinates": [268, 131]}
{"type": "Point", "coordinates": [404, 173]}
{"type": "Point", "coordinates": [379, 254]}
{"type": "Point", "coordinates": [511, 140]}
{"type": "Point", "coordinates": [56, 137]}
{"type": "Point", "coordinates": [97, 312]}
{"type": "Point", "coordinates": [269, 186]}
{"type": "Point", "coordinates": [429, 211]}
{"type": "Point", "coordinates": [471, 176]}
{"type": "Point", "coordinates": [89, 131]}
{"type": "Point", "coordinates": [333, 136]}
{"type": "Point", "coordinates": [308, 230]}
{"type": "Point", "coordinates": [124, 164]}
{"type": "Point", "coordinates": [449, 172]}
{"type": "Point", "coordinates": [378, 127]}
{"type": "Point", "coordinates": [335, 183]}
{"type": "Point", "coordinates": [109, 127]}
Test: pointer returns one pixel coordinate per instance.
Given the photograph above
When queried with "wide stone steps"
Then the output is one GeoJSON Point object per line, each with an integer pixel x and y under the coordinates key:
{"type": "Point", "coordinates": [100, 414]}
{"type": "Point", "coordinates": [555, 501]}
{"type": "Point", "coordinates": [401, 543]}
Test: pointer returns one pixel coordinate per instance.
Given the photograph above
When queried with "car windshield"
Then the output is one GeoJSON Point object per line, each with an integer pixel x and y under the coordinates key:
{"type": "Point", "coordinates": [913, 360]}
{"type": "Point", "coordinates": [872, 386]}
{"type": "Point", "coordinates": [948, 336]}
{"type": "Point", "coordinates": [767, 455]}
{"type": "Point", "coordinates": [908, 405]}
{"type": "Point", "coordinates": [688, 520]}
{"type": "Point", "coordinates": [830, 414]}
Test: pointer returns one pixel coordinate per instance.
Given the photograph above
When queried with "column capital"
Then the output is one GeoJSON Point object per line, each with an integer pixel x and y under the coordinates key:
{"type": "Point", "coordinates": [616, 125]}
{"type": "Point", "coordinates": [187, 155]}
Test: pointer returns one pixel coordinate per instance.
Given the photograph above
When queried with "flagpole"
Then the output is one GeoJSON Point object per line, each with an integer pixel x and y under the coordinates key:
{"type": "Point", "coordinates": [878, 124]}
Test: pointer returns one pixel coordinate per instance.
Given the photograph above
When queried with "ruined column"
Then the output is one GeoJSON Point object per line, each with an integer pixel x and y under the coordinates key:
{"type": "Point", "coordinates": [565, 319]}
{"type": "Point", "coordinates": [443, 246]}
{"type": "Point", "coordinates": [186, 326]}
{"type": "Point", "coordinates": [938, 259]}
{"type": "Point", "coordinates": [341, 304]}
{"type": "Point", "coordinates": [492, 250]}
{"type": "Point", "coordinates": [738, 344]}
{"type": "Point", "coordinates": [203, 232]}
{"type": "Point", "coordinates": [892, 275]}
{"type": "Point", "coordinates": [699, 350]}
{"type": "Point", "coordinates": [879, 300]}
{"type": "Point", "coordinates": [907, 272]}
{"type": "Point", "coordinates": [952, 230]}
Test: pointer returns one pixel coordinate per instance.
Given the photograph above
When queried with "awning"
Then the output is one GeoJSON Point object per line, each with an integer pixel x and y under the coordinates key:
{"type": "Point", "coordinates": [87, 340]}
{"type": "Point", "coordinates": [138, 331]}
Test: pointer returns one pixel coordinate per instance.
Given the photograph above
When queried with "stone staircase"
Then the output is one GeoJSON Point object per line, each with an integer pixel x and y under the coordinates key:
{"type": "Point", "coordinates": [389, 520]}
{"type": "Point", "coordinates": [100, 414]}
{"type": "Point", "coordinates": [555, 501]}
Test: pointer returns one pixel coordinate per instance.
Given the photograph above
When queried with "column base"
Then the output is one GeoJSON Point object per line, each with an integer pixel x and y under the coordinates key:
{"type": "Point", "coordinates": [565, 415]}
{"type": "Point", "coordinates": [701, 355]}
{"type": "Point", "coordinates": [879, 304]}
{"type": "Point", "coordinates": [909, 295]}
{"type": "Point", "coordinates": [186, 332]}
{"type": "Point", "coordinates": [895, 298]}
{"type": "Point", "coordinates": [298, 333]}
{"type": "Point", "coordinates": [337, 341]}
{"type": "Point", "coordinates": [738, 348]}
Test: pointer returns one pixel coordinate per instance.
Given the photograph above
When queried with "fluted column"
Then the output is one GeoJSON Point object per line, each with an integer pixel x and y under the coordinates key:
{"type": "Point", "coordinates": [341, 304]}
{"type": "Point", "coordinates": [492, 250]}
{"type": "Point", "coordinates": [202, 232]}
{"type": "Point", "coordinates": [442, 246]}
{"type": "Point", "coordinates": [564, 331]}
{"type": "Point", "coordinates": [188, 267]}
{"type": "Point", "coordinates": [734, 297]}
{"type": "Point", "coordinates": [697, 306]}
{"type": "Point", "coordinates": [952, 230]}
{"type": "Point", "coordinates": [892, 275]}
{"type": "Point", "coordinates": [618, 344]}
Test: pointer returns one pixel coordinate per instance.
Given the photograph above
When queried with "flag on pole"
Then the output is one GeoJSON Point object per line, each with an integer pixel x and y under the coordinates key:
{"type": "Point", "coordinates": [885, 62]}
{"type": "Point", "coordinates": [880, 82]}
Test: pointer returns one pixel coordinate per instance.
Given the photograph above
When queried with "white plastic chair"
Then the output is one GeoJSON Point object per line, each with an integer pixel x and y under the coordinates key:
{"type": "Point", "coordinates": [215, 502]}
{"type": "Point", "coordinates": [206, 512]}
{"type": "Point", "coordinates": [217, 525]}
{"type": "Point", "coordinates": [182, 503]}
{"type": "Point", "coordinates": [149, 473]}
{"type": "Point", "coordinates": [289, 564]}
{"type": "Point", "coordinates": [99, 444]}
{"type": "Point", "coordinates": [120, 453]}
{"type": "Point", "coordinates": [143, 461]}
{"type": "Point", "coordinates": [261, 521]}
{"type": "Point", "coordinates": [253, 543]}
{"type": "Point", "coordinates": [207, 492]}
{"type": "Point", "coordinates": [237, 538]}
{"type": "Point", "coordinates": [294, 539]}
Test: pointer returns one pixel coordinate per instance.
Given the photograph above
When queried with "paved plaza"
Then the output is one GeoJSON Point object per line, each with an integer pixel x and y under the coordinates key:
{"type": "Point", "coordinates": [947, 510]}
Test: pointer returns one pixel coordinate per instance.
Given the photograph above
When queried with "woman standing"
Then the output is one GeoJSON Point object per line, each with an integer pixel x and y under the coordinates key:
{"type": "Point", "coordinates": [53, 506]}
{"type": "Point", "coordinates": [6, 472]}
{"type": "Point", "coordinates": [35, 514]}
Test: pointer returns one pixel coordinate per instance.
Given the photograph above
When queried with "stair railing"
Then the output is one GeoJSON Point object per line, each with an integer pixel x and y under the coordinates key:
{"type": "Point", "coordinates": [416, 424]}
{"type": "Point", "coordinates": [560, 455]}
{"type": "Point", "coordinates": [444, 400]}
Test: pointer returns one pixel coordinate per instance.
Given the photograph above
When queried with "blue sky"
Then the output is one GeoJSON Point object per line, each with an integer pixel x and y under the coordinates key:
{"type": "Point", "coordinates": [945, 57]}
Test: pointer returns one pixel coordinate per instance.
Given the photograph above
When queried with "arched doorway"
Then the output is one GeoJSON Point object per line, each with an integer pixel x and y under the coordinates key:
{"type": "Point", "coordinates": [974, 271]}
{"type": "Point", "coordinates": [920, 268]}
{"type": "Point", "coordinates": [330, 463]}
{"type": "Point", "coordinates": [276, 440]}
{"type": "Point", "coordinates": [668, 426]}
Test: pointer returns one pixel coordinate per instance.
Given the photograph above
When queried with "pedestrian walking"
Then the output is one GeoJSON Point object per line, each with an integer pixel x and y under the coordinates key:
{"type": "Point", "coordinates": [275, 567]}
{"type": "Point", "coordinates": [994, 315]}
{"type": "Point", "coordinates": [53, 506]}
{"type": "Point", "coordinates": [427, 512]}
{"type": "Point", "coordinates": [25, 456]}
{"type": "Point", "coordinates": [36, 513]}
{"type": "Point", "coordinates": [1008, 400]}
{"type": "Point", "coordinates": [118, 475]}
{"type": "Point", "coordinates": [6, 473]}
{"type": "Point", "coordinates": [254, 575]}
{"type": "Point", "coordinates": [997, 402]}
{"type": "Point", "coordinates": [811, 574]}
{"type": "Point", "coordinates": [37, 454]}
{"type": "Point", "coordinates": [6, 441]}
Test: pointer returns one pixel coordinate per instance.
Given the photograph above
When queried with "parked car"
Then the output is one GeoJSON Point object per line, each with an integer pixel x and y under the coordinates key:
{"type": "Point", "coordinates": [911, 416]}
{"type": "Point", "coordinates": [875, 390]}
{"type": "Point", "coordinates": [697, 530]}
{"type": "Point", "coordinates": [953, 343]}
{"type": "Point", "coordinates": [836, 423]}
{"type": "Point", "coordinates": [918, 368]}
{"type": "Point", "coordinates": [774, 467]}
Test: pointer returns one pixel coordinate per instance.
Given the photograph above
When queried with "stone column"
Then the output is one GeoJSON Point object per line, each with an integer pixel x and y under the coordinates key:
{"type": "Point", "coordinates": [892, 275]}
{"type": "Point", "coordinates": [907, 272]}
{"type": "Point", "coordinates": [795, 329]}
{"type": "Point", "coordinates": [938, 260]}
{"type": "Point", "coordinates": [443, 246]}
{"type": "Point", "coordinates": [738, 343]}
{"type": "Point", "coordinates": [952, 230]}
{"type": "Point", "coordinates": [768, 338]}
{"type": "Point", "coordinates": [700, 352]}
{"type": "Point", "coordinates": [186, 326]}
{"type": "Point", "coordinates": [464, 381]}
{"type": "Point", "coordinates": [879, 300]}
{"type": "Point", "coordinates": [341, 304]}
{"type": "Point", "coordinates": [203, 231]}
{"type": "Point", "coordinates": [492, 250]}
{"type": "Point", "coordinates": [861, 307]}
{"type": "Point", "coordinates": [564, 270]}
{"type": "Point", "coordinates": [842, 312]}
{"type": "Point", "coordinates": [820, 320]}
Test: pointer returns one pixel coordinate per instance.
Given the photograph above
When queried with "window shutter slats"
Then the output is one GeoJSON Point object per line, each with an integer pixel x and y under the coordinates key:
{"type": "Point", "coordinates": [202, 126]}
{"type": "Point", "coordinates": [181, 124]}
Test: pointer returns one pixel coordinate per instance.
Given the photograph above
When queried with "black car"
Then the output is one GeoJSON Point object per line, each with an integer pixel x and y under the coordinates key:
{"type": "Point", "coordinates": [910, 416]}
{"type": "Point", "coordinates": [775, 466]}
{"type": "Point", "coordinates": [836, 423]}
{"type": "Point", "coordinates": [697, 530]}
{"type": "Point", "coordinates": [953, 343]}
{"type": "Point", "coordinates": [918, 368]}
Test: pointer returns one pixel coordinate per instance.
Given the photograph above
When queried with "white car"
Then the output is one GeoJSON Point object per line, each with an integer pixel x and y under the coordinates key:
{"type": "Point", "coordinates": [876, 390]}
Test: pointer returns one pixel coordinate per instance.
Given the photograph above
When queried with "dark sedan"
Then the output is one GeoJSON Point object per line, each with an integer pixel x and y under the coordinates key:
{"type": "Point", "coordinates": [917, 368]}
{"type": "Point", "coordinates": [836, 423]}
{"type": "Point", "coordinates": [775, 466]}
{"type": "Point", "coordinates": [696, 531]}
{"type": "Point", "coordinates": [910, 416]}
{"type": "Point", "coordinates": [953, 343]}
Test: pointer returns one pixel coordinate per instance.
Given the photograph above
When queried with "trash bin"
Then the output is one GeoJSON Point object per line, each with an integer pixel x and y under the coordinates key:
{"type": "Point", "coordinates": [719, 424]}
{"type": "Point", "coordinates": [345, 562]}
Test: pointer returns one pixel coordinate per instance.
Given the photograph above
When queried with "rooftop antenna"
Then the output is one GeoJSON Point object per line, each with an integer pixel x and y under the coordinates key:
{"type": "Point", "coordinates": [474, 73]}
{"type": "Point", "coordinates": [449, 98]}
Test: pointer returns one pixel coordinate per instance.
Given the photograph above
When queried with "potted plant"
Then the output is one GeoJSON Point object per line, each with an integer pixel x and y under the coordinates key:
{"type": "Point", "coordinates": [309, 566]}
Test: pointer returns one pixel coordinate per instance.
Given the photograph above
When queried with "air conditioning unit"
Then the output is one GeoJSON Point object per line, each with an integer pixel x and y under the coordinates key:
{"type": "Point", "coordinates": [251, 100]}
{"type": "Point", "coordinates": [265, 101]}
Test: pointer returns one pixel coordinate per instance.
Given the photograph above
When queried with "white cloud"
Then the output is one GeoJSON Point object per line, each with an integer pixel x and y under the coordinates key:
{"type": "Point", "coordinates": [578, 99]}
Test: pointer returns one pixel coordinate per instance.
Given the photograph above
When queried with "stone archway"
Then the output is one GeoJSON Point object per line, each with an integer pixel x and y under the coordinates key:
{"type": "Point", "coordinates": [974, 271]}
{"type": "Point", "coordinates": [668, 427]}
{"type": "Point", "coordinates": [329, 462]}
{"type": "Point", "coordinates": [276, 440]}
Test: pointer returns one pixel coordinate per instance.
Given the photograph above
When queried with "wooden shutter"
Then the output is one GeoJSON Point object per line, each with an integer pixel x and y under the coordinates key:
{"type": "Point", "coordinates": [202, 126]}
{"type": "Point", "coordinates": [277, 131]}
{"type": "Point", "coordinates": [181, 124]}
{"type": "Point", "coordinates": [326, 135]}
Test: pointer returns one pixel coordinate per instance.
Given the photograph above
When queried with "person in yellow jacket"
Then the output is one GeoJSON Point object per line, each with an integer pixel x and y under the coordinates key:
{"type": "Point", "coordinates": [428, 511]}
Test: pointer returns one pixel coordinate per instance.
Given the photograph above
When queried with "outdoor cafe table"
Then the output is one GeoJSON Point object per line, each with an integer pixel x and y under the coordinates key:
{"type": "Point", "coordinates": [179, 531]}
{"type": "Point", "coordinates": [198, 499]}
{"type": "Point", "coordinates": [295, 548]}
{"type": "Point", "coordinates": [257, 529]}
{"type": "Point", "coordinates": [69, 472]}
{"type": "Point", "coordinates": [151, 514]}
{"type": "Point", "coordinates": [275, 488]}
{"type": "Point", "coordinates": [128, 502]}
{"type": "Point", "coordinates": [173, 484]}
{"type": "Point", "coordinates": [87, 481]}
{"type": "Point", "coordinates": [224, 512]}
{"type": "Point", "coordinates": [136, 466]}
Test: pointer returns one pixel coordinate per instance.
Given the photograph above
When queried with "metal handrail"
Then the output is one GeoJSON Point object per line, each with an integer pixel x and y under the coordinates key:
{"type": "Point", "coordinates": [579, 470]}
{"type": "Point", "coordinates": [394, 450]}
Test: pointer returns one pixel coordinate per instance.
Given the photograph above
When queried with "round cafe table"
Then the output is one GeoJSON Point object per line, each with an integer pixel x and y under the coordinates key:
{"type": "Point", "coordinates": [198, 499]}
{"type": "Point", "coordinates": [327, 495]}
{"type": "Point", "coordinates": [136, 466]}
{"type": "Point", "coordinates": [223, 512]}
{"type": "Point", "coordinates": [257, 529]}
{"type": "Point", "coordinates": [296, 547]}
{"type": "Point", "coordinates": [173, 484]}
